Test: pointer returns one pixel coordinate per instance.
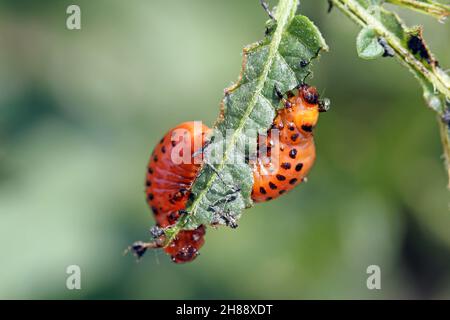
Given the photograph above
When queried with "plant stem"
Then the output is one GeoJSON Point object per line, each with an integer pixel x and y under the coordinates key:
{"type": "Point", "coordinates": [434, 80]}
{"type": "Point", "coordinates": [438, 10]}
{"type": "Point", "coordinates": [360, 15]}
{"type": "Point", "coordinates": [445, 138]}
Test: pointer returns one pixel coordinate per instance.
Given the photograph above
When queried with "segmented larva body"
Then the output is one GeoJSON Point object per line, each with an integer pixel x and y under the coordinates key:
{"type": "Point", "coordinates": [295, 147]}
{"type": "Point", "coordinates": [168, 184]}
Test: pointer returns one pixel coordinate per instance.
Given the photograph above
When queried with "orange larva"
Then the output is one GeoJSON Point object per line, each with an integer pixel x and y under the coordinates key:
{"type": "Point", "coordinates": [168, 187]}
{"type": "Point", "coordinates": [295, 147]}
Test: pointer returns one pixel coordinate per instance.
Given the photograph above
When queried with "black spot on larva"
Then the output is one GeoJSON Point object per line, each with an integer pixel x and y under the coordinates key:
{"type": "Point", "coordinates": [272, 185]}
{"type": "Point", "coordinates": [307, 128]}
{"type": "Point", "coordinates": [150, 196]}
{"type": "Point", "coordinates": [155, 158]}
{"type": "Point", "coordinates": [150, 170]}
{"type": "Point", "coordinates": [262, 190]}
{"type": "Point", "coordinates": [280, 177]}
{"type": "Point", "coordinates": [299, 167]}
{"type": "Point", "coordinates": [294, 136]}
{"type": "Point", "coordinates": [174, 143]}
{"type": "Point", "coordinates": [155, 210]}
{"type": "Point", "coordinates": [148, 183]}
{"type": "Point", "coordinates": [173, 216]}
{"type": "Point", "coordinates": [282, 191]}
{"type": "Point", "coordinates": [178, 196]}
{"type": "Point", "coordinates": [416, 45]}
{"type": "Point", "coordinates": [293, 153]}
{"type": "Point", "coordinates": [293, 181]}
{"type": "Point", "coordinates": [269, 198]}
{"type": "Point", "coordinates": [286, 165]}
{"type": "Point", "coordinates": [163, 149]}
{"type": "Point", "coordinates": [291, 126]}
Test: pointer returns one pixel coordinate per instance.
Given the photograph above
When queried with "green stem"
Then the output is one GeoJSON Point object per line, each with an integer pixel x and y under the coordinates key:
{"type": "Point", "coordinates": [434, 78]}
{"type": "Point", "coordinates": [445, 137]}
{"type": "Point", "coordinates": [438, 10]}
{"type": "Point", "coordinates": [360, 15]}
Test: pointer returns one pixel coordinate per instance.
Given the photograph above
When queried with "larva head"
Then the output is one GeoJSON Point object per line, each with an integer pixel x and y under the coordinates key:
{"type": "Point", "coordinates": [307, 113]}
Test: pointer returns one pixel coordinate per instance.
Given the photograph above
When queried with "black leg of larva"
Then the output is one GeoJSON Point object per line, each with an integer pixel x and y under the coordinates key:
{"type": "Point", "coordinates": [266, 8]}
{"type": "Point", "coordinates": [139, 248]}
{"type": "Point", "coordinates": [279, 94]}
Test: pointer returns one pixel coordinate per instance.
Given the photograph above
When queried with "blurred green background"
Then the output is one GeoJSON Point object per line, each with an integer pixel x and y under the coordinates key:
{"type": "Point", "coordinates": [80, 112]}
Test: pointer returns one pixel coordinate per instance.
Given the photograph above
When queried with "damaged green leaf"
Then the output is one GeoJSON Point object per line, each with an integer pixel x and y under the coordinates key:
{"type": "Point", "coordinates": [282, 60]}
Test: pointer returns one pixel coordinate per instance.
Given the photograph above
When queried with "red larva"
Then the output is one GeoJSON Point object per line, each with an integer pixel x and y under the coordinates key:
{"type": "Point", "coordinates": [168, 184]}
{"type": "Point", "coordinates": [168, 187]}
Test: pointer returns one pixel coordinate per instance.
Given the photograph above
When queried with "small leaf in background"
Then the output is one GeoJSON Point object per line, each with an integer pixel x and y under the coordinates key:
{"type": "Point", "coordinates": [410, 49]}
{"type": "Point", "coordinates": [367, 44]}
